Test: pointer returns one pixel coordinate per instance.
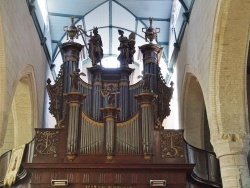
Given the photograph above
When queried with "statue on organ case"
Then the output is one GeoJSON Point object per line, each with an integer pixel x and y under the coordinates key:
{"type": "Point", "coordinates": [110, 92]}
{"type": "Point", "coordinates": [126, 48]}
{"type": "Point", "coordinates": [95, 47]}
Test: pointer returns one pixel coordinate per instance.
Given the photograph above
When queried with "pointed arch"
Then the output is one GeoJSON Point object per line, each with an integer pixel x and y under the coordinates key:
{"type": "Point", "coordinates": [193, 111]}
{"type": "Point", "coordinates": [22, 117]}
{"type": "Point", "coordinates": [3, 100]}
{"type": "Point", "coordinates": [24, 107]}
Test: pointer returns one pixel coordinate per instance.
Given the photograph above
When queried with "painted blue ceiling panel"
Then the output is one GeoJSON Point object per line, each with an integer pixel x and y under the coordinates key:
{"type": "Point", "coordinates": [98, 18]}
{"type": "Point", "coordinates": [74, 7]}
{"type": "Point", "coordinates": [54, 45]}
{"type": "Point", "coordinates": [151, 8]}
{"type": "Point", "coordinates": [56, 26]}
{"type": "Point", "coordinates": [122, 18]}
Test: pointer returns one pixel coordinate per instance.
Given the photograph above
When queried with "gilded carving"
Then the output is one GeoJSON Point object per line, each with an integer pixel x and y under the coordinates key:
{"type": "Point", "coordinates": [164, 97]}
{"type": "Point", "coordinates": [14, 165]}
{"type": "Point", "coordinates": [56, 96]}
{"type": "Point", "coordinates": [172, 144]}
{"type": "Point", "coordinates": [128, 122]}
{"type": "Point", "coordinates": [91, 121]}
{"type": "Point", "coordinates": [46, 143]}
{"type": "Point", "coordinates": [85, 85]}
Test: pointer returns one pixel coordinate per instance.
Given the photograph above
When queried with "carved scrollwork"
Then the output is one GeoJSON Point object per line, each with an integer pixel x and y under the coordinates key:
{"type": "Point", "coordinates": [46, 143]}
{"type": "Point", "coordinates": [172, 144]}
{"type": "Point", "coordinates": [56, 95]}
{"type": "Point", "coordinates": [164, 98]}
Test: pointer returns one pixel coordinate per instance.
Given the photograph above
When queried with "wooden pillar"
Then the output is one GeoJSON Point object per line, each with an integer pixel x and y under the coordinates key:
{"type": "Point", "coordinates": [110, 116]}
{"type": "Point", "coordinates": [146, 100]}
{"type": "Point", "coordinates": [74, 100]}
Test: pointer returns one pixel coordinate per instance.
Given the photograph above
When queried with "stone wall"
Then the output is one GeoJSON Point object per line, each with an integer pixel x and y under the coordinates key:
{"type": "Point", "coordinates": [20, 56]}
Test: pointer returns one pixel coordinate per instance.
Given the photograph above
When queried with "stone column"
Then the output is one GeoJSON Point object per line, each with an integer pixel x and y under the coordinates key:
{"type": "Point", "coordinates": [232, 151]}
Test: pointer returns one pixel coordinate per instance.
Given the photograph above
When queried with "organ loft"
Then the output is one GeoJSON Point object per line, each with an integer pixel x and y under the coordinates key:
{"type": "Point", "coordinates": [108, 132]}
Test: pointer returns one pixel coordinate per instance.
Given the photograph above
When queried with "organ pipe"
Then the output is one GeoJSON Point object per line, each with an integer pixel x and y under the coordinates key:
{"type": "Point", "coordinates": [74, 99]}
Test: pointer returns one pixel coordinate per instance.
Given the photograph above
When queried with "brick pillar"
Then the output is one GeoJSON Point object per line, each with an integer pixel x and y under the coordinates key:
{"type": "Point", "coordinates": [232, 150]}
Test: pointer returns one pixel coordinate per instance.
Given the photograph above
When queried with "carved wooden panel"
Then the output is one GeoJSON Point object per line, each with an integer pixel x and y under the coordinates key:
{"type": "Point", "coordinates": [46, 142]}
{"type": "Point", "coordinates": [172, 144]}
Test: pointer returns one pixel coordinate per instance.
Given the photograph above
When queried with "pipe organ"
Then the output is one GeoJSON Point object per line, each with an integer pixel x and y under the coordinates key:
{"type": "Point", "coordinates": [109, 133]}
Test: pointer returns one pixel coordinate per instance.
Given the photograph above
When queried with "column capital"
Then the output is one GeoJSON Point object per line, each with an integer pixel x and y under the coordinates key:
{"type": "Point", "coordinates": [230, 144]}
{"type": "Point", "coordinates": [110, 112]}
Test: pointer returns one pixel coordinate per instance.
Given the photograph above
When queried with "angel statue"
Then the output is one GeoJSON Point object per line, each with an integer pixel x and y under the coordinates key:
{"type": "Point", "coordinates": [110, 92]}
{"type": "Point", "coordinates": [75, 77]}
{"type": "Point", "coordinates": [146, 82]}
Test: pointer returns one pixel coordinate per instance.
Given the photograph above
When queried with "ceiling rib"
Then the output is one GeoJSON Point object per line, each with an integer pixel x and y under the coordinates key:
{"type": "Point", "coordinates": [110, 29]}
{"type": "Point", "coordinates": [136, 26]}
{"type": "Point", "coordinates": [156, 19]}
{"type": "Point", "coordinates": [64, 15]}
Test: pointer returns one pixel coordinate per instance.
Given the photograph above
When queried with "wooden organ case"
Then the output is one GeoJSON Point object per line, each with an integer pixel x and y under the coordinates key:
{"type": "Point", "coordinates": [108, 133]}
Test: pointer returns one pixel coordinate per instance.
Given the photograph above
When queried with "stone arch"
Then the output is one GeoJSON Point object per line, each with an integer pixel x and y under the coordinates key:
{"type": "Point", "coordinates": [227, 106]}
{"type": "Point", "coordinates": [23, 113]}
{"type": "Point", "coordinates": [227, 102]}
{"type": "Point", "coordinates": [3, 98]}
{"type": "Point", "coordinates": [24, 107]}
{"type": "Point", "coordinates": [193, 111]}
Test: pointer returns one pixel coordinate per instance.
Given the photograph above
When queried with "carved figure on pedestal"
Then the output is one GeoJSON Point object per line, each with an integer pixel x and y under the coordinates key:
{"type": "Point", "coordinates": [124, 48]}
{"type": "Point", "coordinates": [146, 82]}
{"type": "Point", "coordinates": [110, 92]}
{"type": "Point", "coordinates": [75, 77]}
{"type": "Point", "coordinates": [131, 48]}
{"type": "Point", "coordinates": [95, 47]}
{"type": "Point", "coordinates": [127, 48]}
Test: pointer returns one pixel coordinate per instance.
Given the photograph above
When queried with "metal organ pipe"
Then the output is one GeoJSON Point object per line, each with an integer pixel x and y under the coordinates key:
{"type": "Point", "coordinates": [127, 138]}
{"type": "Point", "coordinates": [92, 133]}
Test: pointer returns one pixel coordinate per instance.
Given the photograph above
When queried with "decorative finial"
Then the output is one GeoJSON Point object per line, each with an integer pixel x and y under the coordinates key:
{"type": "Point", "coordinates": [72, 31]}
{"type": "Point", "coordinates": [151, 33]}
